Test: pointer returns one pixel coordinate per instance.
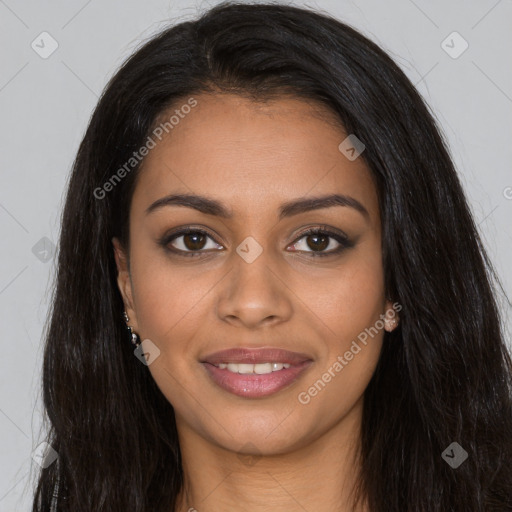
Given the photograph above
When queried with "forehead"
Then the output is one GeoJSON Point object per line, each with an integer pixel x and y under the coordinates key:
{"type": "Point", "coordinates": [251, 155]}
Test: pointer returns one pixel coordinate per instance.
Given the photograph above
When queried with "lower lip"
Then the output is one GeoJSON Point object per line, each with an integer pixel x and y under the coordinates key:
{"type": "Point", "coordinates": [254, 385]}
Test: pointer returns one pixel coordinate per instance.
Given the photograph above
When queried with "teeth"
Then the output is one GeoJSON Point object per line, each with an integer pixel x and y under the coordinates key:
{"type": "Point", "coordinates": [258, 369]}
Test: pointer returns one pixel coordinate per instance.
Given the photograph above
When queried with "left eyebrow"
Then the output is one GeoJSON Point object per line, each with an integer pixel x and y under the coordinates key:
{"type": "Point", "coordinates": [316, 203]}
{"type": "Point", "coordinates": [210, 206]}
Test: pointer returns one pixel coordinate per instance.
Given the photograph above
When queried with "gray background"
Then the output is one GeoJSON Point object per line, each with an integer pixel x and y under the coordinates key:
{"type": "Point", "coordinates": [46, 104]}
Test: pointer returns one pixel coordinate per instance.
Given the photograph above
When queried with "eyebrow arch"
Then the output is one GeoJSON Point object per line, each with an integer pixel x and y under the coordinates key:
{"type": "Point", "coordinates": [211, 206]}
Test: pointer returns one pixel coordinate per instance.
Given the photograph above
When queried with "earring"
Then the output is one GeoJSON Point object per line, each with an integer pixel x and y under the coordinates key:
{"type": "Point", "coordinates": [134, 336]}
{"type": "Point", "coordinates": [391, 324]}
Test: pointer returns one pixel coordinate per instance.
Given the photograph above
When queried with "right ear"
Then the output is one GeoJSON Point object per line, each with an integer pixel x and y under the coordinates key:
{"type": "Point", "coordinates": [124, 281]}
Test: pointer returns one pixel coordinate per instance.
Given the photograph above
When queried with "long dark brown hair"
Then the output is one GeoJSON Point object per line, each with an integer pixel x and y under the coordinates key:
{"type": "Point", "coordinates": [444, 375]}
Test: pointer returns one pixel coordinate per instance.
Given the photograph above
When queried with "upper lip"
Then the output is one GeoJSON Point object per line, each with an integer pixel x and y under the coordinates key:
{"type": "Point", "coordinates": [255, 356]}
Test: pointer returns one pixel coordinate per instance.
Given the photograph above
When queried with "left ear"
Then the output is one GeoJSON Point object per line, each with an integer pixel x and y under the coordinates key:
{"type": "Point", "coordinates": [392, 319]}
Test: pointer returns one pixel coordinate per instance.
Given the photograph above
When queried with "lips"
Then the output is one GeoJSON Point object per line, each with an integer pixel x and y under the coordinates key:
{"type": "Point", "coordinates": [253, 385]}
{"type": "Point", "coordinates": [256, 356]}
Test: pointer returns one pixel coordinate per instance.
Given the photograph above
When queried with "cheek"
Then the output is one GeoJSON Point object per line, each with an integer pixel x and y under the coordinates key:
{"type": "Point", "coordinates": [349, 313]}
{"type": "Point", "coordinates": [351, 353]}
{"type": "Point", "coordinates": [167, 298]}
{"type": "Point", "coordinates": [169, 303]}
{"type": "Point", "coordinates": [348, 300]}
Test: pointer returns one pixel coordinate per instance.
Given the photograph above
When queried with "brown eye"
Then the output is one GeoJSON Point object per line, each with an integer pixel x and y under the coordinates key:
{"type": "Point", "coordinates": [189, 242]}
{"type": "Point", "coordinates": [318, 240]}
{"type": "Point", "coordinates": [194, 241]}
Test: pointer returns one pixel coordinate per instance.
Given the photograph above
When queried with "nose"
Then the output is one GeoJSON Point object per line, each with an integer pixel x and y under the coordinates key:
{"type": "Point", "coordinates": [254, 294]}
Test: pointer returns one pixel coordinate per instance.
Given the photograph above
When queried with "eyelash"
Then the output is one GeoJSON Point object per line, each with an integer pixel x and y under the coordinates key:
{"type": "Point", "coordinates": [342, 240]}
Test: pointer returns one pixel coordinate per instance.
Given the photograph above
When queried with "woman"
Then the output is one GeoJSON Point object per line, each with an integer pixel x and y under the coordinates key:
{"type": "Point", "coordinates": [263, 205]}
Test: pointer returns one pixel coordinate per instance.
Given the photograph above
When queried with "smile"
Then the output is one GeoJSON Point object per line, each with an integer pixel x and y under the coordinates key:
{"type": "Point", "coordinates": [259, 369]}
{"type": "Point", "coordinates": [255, 373]}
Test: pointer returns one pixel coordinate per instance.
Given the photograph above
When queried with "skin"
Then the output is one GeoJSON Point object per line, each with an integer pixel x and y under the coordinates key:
{"type": "Point", "coordinates": [240, 453]}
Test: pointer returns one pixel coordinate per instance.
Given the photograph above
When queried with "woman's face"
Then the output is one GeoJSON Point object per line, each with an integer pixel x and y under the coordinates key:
{"type": "Point", "coordinates": [254, 281]}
